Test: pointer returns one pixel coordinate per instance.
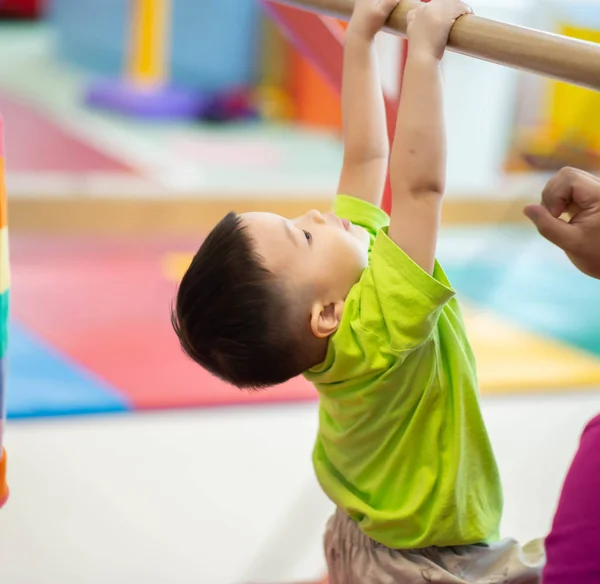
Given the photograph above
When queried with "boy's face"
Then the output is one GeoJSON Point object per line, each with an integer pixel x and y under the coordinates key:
{"type": "Point", "coordinates": [317, 251]}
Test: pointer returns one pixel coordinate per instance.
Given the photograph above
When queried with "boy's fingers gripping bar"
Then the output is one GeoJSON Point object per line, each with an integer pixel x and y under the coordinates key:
{"type": "Point", "coordinates": [556, 56]}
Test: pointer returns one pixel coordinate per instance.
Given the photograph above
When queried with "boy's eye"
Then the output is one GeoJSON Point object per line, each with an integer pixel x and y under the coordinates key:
{"type": "Point", "coordinates": [307, 235]}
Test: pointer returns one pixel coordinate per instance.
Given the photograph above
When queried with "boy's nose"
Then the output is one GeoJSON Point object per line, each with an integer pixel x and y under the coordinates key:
{"type": "Point", "coordinates": [316, 216]}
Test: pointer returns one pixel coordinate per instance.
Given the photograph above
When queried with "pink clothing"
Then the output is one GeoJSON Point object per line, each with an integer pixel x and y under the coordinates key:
{"type": "Point", "coordinates": [573, 546]}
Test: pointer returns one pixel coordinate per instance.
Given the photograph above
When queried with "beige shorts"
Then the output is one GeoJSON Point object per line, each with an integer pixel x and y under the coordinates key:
{"type": "Point", "coordinates": [354, 558]}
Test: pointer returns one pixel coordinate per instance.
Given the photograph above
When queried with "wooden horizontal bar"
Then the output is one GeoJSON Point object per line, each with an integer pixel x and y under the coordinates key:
{"type": "Point", "coordinates": [551, 55]}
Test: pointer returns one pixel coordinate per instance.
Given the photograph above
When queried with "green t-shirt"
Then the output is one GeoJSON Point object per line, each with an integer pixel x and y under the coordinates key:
{"type": "Point", "coordinates": [402, 447]}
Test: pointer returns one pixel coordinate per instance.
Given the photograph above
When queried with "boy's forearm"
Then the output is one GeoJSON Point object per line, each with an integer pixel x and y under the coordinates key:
{"type": "Point", "coordinates": [417, 169]}
{"type": "Point", "coordinates": [418, 164]}
{"type": "Point", "coordinates": [364, 118]}
{"type": "Point", "coordinates": [366, 142]}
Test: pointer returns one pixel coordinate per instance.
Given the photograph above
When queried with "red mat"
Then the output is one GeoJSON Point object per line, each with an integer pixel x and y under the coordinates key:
{"type": "Point", "coordinates": [38, 144]}
{"type": "Point", "coordinates": [105, 304]}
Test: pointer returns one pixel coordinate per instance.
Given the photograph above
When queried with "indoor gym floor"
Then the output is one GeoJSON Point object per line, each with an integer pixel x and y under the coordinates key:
{"type": "Point", "coordinates": [91, 330]}
{"type": "Point", "coordinates": [224, 494]}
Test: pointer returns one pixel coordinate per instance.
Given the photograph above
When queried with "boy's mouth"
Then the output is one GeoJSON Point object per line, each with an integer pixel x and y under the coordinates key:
{"type": "Point", "coordinates": [343, 222]}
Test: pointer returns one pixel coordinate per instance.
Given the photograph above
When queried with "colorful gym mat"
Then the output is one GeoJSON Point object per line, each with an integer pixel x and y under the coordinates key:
{"type": "Point", "coordinates": [91, 330]}
{"type": "Point", "coordinates": [91, 327]}
{"type": "Point", "coordinates": [37, 144]}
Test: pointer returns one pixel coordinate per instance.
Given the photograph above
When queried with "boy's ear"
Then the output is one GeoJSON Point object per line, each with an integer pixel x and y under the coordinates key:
{"type": "Point", "coordinates": [325, 319]}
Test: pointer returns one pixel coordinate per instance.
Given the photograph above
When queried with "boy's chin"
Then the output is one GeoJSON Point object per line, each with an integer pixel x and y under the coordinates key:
{"type": "Point", "coordinates": [364, 240]}
{"type": "Point", "coordinates": [362, 235]}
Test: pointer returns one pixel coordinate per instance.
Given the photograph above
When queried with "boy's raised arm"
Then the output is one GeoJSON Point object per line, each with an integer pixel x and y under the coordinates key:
{"type": "Point", "coordinates": [418, 164]}
{"type": "Point", "coordinates": [366, 142]}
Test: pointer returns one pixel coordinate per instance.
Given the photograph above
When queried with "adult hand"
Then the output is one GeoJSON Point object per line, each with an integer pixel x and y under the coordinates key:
{"type": "Point", "coordinates": [577, 194]}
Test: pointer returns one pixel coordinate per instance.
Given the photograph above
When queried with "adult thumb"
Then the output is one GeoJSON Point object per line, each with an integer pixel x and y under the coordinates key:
{"type": "Point", "coordinates": [555, 230]}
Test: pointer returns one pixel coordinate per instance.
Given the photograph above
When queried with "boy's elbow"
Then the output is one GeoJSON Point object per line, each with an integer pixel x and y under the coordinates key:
{"type": "Point", "coordinates": [417, 186]}
{"type": "Point", "coordinates": [429, 189]}
{"type": "Point", "coordinates": [360, 156]}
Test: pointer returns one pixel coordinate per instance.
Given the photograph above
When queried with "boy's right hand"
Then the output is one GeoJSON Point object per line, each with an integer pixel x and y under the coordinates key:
{"type": "Point", "coordinates": [370, 16]}
{"type": "Point", "coordinates": [429, 26]}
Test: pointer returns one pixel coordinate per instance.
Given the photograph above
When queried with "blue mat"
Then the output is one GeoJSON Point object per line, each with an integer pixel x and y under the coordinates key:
{"type": "Point", "coordinates": [519, 275]}
{"type": "Point", "coordinates": [42, 382]}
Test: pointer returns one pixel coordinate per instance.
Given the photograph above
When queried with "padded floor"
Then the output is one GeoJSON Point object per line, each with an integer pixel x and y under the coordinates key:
{"type": "Point", "coordinates": [91, 330]}
{"type": "Point", "coordinates": [95, 314]}
{"type": "Point", "coordinates": [37, 144]}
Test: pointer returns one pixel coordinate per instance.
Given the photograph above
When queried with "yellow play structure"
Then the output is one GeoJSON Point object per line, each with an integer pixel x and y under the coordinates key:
{"type": "Point", "coordinates": [570, 131]}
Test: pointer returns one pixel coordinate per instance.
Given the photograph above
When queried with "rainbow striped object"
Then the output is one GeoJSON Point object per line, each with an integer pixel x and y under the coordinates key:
{"type": "Point", "coordinates": [4, 304]}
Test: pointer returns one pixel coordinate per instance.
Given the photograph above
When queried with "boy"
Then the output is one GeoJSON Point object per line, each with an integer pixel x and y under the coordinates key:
{"type": "Point", "coordinates": [357, 303]}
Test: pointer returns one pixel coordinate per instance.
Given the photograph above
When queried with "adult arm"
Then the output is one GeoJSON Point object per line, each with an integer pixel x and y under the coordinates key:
{"type": "Point", "coordinates": [573, 546]}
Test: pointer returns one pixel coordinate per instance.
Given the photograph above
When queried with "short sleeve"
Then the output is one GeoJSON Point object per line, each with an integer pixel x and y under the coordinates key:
{"type": "Point", "coordinates": [398, 300]}
{"type": "Point", "coordinates": [361, 213]}
{"type": "Point", "coordinates": [572, 546]}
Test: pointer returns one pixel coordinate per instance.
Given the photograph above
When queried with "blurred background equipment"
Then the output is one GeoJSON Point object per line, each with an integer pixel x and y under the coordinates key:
{"type": "Point", "coordinates": [29, 9]}
{"type": "Point", "coordinates": [4, 315]}
{"type": "Point", "coordinates": [566, 126]}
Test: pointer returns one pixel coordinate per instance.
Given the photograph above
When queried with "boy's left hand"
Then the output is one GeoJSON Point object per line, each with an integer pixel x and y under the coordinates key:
{"type": "Point", "coordinates": [429, 25]}
{"type": "Point", "coordinates": [370, 16]}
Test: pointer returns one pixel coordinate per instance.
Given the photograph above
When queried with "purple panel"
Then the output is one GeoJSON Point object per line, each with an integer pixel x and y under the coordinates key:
{"type": "Point", "coordinates": [162, 102]}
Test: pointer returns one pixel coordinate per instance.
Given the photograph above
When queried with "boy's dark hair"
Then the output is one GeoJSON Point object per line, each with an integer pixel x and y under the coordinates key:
{"type": "Point", "coordinates": [234, 318]}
